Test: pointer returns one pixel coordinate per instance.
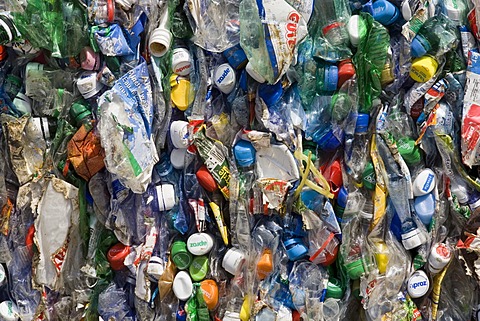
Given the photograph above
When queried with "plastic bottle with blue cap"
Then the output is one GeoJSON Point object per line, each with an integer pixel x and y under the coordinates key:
{"type": "Point", "coordinates": [356, 158]}
{"type": "Point", "coordinates": [327, 78]}
{"type": "Point", "coordinates": [320, 128]}
{"type": "Point", "coordinates": [384, 12]}
{"type": "Point", "coordinates": [434, 37]}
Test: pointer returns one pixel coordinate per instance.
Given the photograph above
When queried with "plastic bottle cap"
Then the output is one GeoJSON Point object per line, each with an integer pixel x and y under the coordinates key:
{"type": "Point", "coordinates": [342, 197]}
{"type": "Point", "coordinates": [424, 183]}
{"type": "Point", "coordinates": [425, 208]}
{"type": "Point", "coordinates": [265, 264]}
{"type": "Point", "coordinates": [182, 286]}
{"type": "Point", "coordinates": [236, 57]}
{"type": "Point", "coordinates": [328, 142]}
{"type": "Point", "coordinates": [224, 76]}
{"type": "Point", "coordinates": [206, 179]}
{"type": "Point", "coordinates": [411, 239]}
{"type": "Point", "coordinates": [210, 293]}
{"type": "Point", "coordinates": [9, 311]}
{"type": "Point", "coordinates": [155, 268]}
{"type": "Point", "coordinates": [270, 94]}
{"type": "Point", "coordinates": [177, 157]}
{"type": "Point", "coordinates": [180, 94]}
{"type": "Point", "coordinates": [254, 74]}
{"type": "Point", "coordinates": [244, 153]}
{"type": "Point", "coordinates": [231, 316]}
{"type": "Point", "coordinates": [126, 4]}
{"type": "Point", "coordinates": [90, 60]}
{"type": "Point", "coordinates": [180, 256]}
{"type": "Point", "coordinates": [361, 126]}
{"type": "Point", "coordinates": [333, 174]}
{"type": "Point", "coordinates": [419, 46]}
{"type": "Point", "coordinates": [88, 85]}
{"type": "Point", "coordinates": [78, 112]}
{"type": "Point", "coordinates": [406, 11]}
{"type": "Point", "coordinates": [355, 269]}
{"type": "Point", "coordinates": [368, 177]}
{"type": "Point", "coordinates": [295, 249]}
{"type": "Point", "coordinates": [461, 195]}
{"type": "Point", "coordinates": [455, 10]}
{"type": "Point", "coordinates": [331, 78]}
{"type": "Point", "coordinates": [116, 255]}
{"type": "Point", "coordinates": [233, 261]}
{"type": "Point", "coordinates": [418, 284]}
{"type": "Point", "coordinates": [385, 12]}
{"type": "Point", "coordinates": [355, 27]}
{"type": "Point", "coordinates": [439, 257]}
{"type": "Point", "coordinates": [409, 151]}
{"type": "Point", "coordinates": [165, 196]}
{"type": "Point", "coordinates": [159, 42]}
{"type": "Point", "coordinates": [181, 62]}
{"type": "Point", "coordinates": [381, 256]}
{"type": "Point", "coordinates": [179, 133]}
{"type": "Point", "coordinates": [200, 243]}
{"type": "Point", "coordinates": [423, 68]}
{"type": "Point", "coordinates": [23, 103]}
{"type": "Point", "coordinates": [346, 70]}
{"type": "Point", "coordinates": [199, 268]}
{"type": "Point", "coordinates": [334, 289]}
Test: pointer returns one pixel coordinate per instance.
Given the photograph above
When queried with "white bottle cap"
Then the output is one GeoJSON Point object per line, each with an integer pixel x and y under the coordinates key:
{"type": "Point", "coordinates": [225, 78]}
{"type": "Point", "coordinates": [424, 183]}
{"type": "Point", "coordinates": [439, 257]}
{"type": "Point", "coordinates": [179, 133]}
{"type": "Point", "coordinates": [126, 4]}
{"type": "Point", "coordinates": [88, 85]}
{"type": "Point", "coordinates": [23, 103]}
{"type": "Point", "coordinates": [353, 30]}
{"type": "Point", "coordinates": [231, 316]}
{"type": "Point", "coordinates": [8, 311]}
{"type": "Point", "coordinates": [155, 267]}
{"type": "Point", "coordinates": [254, 74]}
{"type": "Point", "coordinates": [165, 196]}
{"type": "Point", "coordinates": [418, 284]}
{"type": "Point", "coordinates": [233, 261]}
{"type": "Point", "coordinates": [406, 11]}
{"type": "Point", "coordinates": [159, 42]}
{"type": "Point", "coordinates": [177, 157]}
{"type": "Point", "coordinates": [455, 10]}
{"type": "Point", "coordinates": [199, 243]}
{"type": "Point", "coordinates": [412, 239]}
{"type": "Point", "coordinates": [181, 62]}
{"type": "Point", "coordinates": [182, 286]}
{"type": "Point", "coordinates": [460, 193]}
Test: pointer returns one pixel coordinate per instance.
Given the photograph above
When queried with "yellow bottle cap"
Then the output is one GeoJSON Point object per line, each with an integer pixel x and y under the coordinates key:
{"type": "Point", "coordinates": [423, 68]}
{"type": "Point", "coordinates": [245, 310]}
{"type": "Point", "coordinates": [181, 94]}
{"type": "Point", "coordinates": [381, 256]}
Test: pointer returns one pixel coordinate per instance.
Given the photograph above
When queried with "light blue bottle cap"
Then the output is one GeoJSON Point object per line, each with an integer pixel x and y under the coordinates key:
{"type": "Point", "coordinates": [308, 197]}
{"type": "Point", "coordinates": [271, 94]}
{"type": "Point", "coordinates": [236, 57]}
{"type": "Point", "coordinates": [331, 78]}
{"type": "Point", "coordinates": [361, 125]}
{"type": "Point", "coordinates": [295, 249]}
{"type": "Point", "coordinates": [425, 208]}
{"type": "Point", "coordinates": [385, 12]}
{"type": "Point", "coordinates": [328, 141]}
{"type": "Point", "coordinates": [244, 153]}
{"type": "Point", "coordinates": [419, 46]}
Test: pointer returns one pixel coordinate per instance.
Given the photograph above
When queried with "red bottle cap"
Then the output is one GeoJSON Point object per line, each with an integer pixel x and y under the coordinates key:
{"type": "Point", "coordinates": [333, 174]}
{"type": "Point", "coordinates": [116, 255]}
{"type": "Point", "coordinates": [346, 70]}
{"type": "Point", "coordinates": [295, 315]}
{"type": "Point", "coordinates": [330, 257]}
{"type": "Point", "coordinates": [206, 179]}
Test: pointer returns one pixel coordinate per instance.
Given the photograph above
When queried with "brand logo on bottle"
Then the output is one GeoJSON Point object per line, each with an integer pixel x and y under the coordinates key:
{"type": "Point", "coordinates": [197, 244]}
{"type": "Point", "coordinates": [184, 67]}
{"type": "Point", "coordinates": [292, 25]}
{"type": "Point", "coordinates": [418, 284]}
{"type": "Point", "coordinates": [224, 74]}
{"type": "Point", "coordinates": [428, 182]}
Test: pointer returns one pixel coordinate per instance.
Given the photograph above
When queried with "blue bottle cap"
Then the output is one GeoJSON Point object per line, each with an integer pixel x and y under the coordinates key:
{"type": "Point", "coordinates": [425, 208]}
{"type": "Point", "coordinates": [295, 249]}
{"type": "Point", "coordinates": [236, 57]}
{"type": "Point", "coordinates": [342, 197]}
{"type": "Point", "coordinates": [331, 78]}
{"type": "Point", "coordinates": [328, 141]}
{"type": "Point", "coordinates": [244, 153]}
{"type": "Point", "coordinates": [361, 125]}
{"type": "Point", "coordinates": [308, 197]}
{"type": "Point", "coordinates": [385, 12]}
{"type": "Point", "coordinates": [271, 94]}
{"type": "Point", "coordinates": [419, 46]}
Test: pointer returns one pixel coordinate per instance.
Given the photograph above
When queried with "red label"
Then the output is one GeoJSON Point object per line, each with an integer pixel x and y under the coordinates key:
{"type": "Point", "coordinates": [292, 25]}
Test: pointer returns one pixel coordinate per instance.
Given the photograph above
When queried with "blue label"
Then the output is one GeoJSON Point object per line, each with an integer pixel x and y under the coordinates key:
{"type": "Point", "coordinates": [418, 284]}
{"type": "Point", "coordinates": [428, 183]}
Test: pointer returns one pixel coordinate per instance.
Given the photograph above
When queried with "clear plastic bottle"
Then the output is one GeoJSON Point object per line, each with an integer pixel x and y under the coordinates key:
{"type": "Point", "coordinates": [356, 159]}
{"type": "Point", "coordinates": [331, 25]}
{"type": "Point", "coordinates": [106, 11]}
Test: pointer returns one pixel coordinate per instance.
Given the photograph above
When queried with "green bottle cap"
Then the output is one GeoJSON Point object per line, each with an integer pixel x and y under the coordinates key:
{"type": "Point", "coordinates": [409, 151]}
{"type": "Point", "coordinates": [199, 268]}
{"type": "Point", "coordinates": [369, 178]}
{"type": "Point", "coordinates": [334, 290]}
{"type": "Point", "coordinates": [78, 112]}
{"type": "Point", "coordinates": [355, 269]}
{"type": "Point", "coordinates": [309, 146]}
{"type": "Point", "coordinates": [180, 256]}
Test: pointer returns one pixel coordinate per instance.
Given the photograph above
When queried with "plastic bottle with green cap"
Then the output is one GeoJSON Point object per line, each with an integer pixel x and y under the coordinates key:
{"type": "Point", "coordinates": [180, 255]}
{"type": "Point", "coordinates": [81, 114]}
{"type": "Point", "coordinates": [409, 151]}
